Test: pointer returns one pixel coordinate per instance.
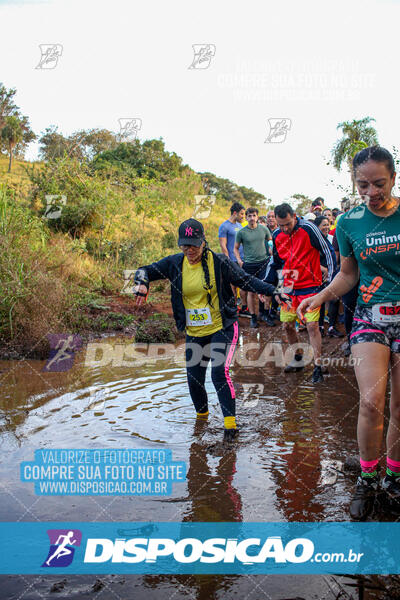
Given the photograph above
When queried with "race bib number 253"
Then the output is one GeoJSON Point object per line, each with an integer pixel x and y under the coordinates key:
{"type": "Point", "coordinates": [196, 317]}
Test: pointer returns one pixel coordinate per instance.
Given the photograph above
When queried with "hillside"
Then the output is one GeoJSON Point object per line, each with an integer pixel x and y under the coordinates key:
{"type": "Point", "coordinates": [66, 274]}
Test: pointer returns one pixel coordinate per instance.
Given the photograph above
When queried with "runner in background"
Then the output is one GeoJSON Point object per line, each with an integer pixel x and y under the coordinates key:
{"type": "Point", "coordinates": [333, 227]}
{"type": "Point", "coordinates": [328, 214]}
{"type": "Point", "coordinates": [322, 223]}
{"type": "Point", "coordinates": [317, 206]}
{"type": "Point", "coordinates": [349, 300]}
{"type": "Point", "coordinates": [227, 235]}
{"type": "Point", "coordinates": [271, 304]}
{"type": "Point", "coordinates": [204, 306]}
{"type": "Point", "coordinates": [264, 307]}
{"type": "Point", "coordinates": [271, 221]}
{"type": "Point", "coordinates": [268, 243]}
{"type": "Point", "coordinates": [369, 243]}
{"type": "Point", "coordinates": [252, 238]}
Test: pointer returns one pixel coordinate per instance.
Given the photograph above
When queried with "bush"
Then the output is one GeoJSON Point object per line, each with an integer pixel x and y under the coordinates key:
{"type": "Point", "coordinates": [158, 328]}
{"type": "Point", "coordinates": [111, 321]}
{"type": "Point", "coordinates": [44, 280]}
{"type": "Point", "coordinates": [89, 199]}
{"type": "Point", "coordinates": [169, 241]}
{"type": "Point", "coordinates": [32, 299]}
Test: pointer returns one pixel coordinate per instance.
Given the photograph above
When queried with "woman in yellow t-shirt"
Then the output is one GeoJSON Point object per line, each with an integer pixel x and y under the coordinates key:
{"type": "Point", "coordinates": [204, 305]}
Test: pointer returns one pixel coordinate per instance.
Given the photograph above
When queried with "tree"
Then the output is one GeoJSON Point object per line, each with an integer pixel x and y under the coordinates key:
{"type": "Point", "coordinates": [357, 134]}
{"type": "Point", "coordinates": [223, 188]}
{"type": "Point", "coordinates": [230, 192]}
{"type": "Point", "coordinates": [27, 136]}
{"type": "Point", "coordinates": [7, 106]}
{"type": "Point", "coordinates": [253, 198]}
{"type": "Point", "coordinates": [300, 203]}
{"type": "Point", "coordinates": [12, 134]}
{"type": "Point", "coordinates": [88, 198]}
{"type": "Point", "coordinates": [83, 145]}
{"type": "Point", "coordinates": [9, 109]}
{"type": "Point", "coordinates": [53, 145]}
{"type": "Point", "coordinates": [148, 160]}
{"type": "Point", "coordinates": [97, 141]}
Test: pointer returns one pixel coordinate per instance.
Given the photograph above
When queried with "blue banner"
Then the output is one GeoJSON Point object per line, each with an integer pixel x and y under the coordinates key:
{"type": "Point", "coordinates": [194, 548]}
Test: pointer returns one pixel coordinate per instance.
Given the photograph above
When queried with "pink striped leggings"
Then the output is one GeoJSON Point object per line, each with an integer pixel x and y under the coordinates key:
{"type": "Point", "coordinates": [218, 348]}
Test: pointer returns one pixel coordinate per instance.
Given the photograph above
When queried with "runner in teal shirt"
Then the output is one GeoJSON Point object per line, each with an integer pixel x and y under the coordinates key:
{"type": "Point", "coordinates": [369, 242]}
{"type": "Point", "coordinates": [375, 244]}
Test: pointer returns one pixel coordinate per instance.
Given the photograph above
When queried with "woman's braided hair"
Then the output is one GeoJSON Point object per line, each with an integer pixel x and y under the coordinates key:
{"type": "Point", "coordinates": [204, 264]}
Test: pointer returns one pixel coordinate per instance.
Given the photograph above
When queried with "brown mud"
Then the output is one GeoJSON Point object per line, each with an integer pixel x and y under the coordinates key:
{"type": "Point", "coordinates": [277, 469]}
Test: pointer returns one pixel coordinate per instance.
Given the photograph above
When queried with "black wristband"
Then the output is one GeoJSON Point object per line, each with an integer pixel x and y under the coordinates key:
{"type": "Point", "coordinates": [280, 294]}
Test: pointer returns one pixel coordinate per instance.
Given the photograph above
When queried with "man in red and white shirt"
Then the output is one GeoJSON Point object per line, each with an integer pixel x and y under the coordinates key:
{"type": "Point", "coordinates": [297, 247]}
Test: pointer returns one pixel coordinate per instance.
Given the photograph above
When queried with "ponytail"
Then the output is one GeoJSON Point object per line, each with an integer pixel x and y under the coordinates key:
{"type": "Point", "coordinates": [204, 264]}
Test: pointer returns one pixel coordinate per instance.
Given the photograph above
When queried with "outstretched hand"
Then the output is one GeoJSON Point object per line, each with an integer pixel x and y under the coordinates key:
{"type": "Point", "coordinates": [283, 299]}
{"type": "Point", "coordinates": [141, 292]}
{"type": "Point", "coordinates": [307, 305]}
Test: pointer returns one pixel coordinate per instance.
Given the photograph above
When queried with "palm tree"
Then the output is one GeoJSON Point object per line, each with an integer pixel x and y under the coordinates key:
{"type": "Point", "coordinates": [356, 136]}
{"type": "Point", "coordinates": [12, 133]}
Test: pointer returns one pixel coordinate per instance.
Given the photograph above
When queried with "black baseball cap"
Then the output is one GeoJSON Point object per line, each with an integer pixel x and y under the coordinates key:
{"type": "Point", "coordinates": [191, 233]}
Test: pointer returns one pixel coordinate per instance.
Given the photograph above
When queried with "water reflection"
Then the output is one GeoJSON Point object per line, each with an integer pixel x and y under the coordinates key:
{"type": "Point", "coordinates": [210, 479]}
{"type": "Point", "coordinates": [213, 497]}
{"type": "Point", "coordinates": [287, 428]}
{"type": "Point", "coordinates": [300, 446]}
{"type": "Point", "coordinates": [272, 473]}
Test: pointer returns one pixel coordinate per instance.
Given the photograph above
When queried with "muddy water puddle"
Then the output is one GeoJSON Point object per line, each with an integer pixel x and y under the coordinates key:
{"type": "Point", "coordinates": [277, 470]}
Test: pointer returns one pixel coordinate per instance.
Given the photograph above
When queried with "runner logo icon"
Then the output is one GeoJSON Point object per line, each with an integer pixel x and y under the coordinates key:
{"type": "Point", "coordinates": [278, 129]}
{"type": "Point", "coordinates": [61, 551]}
{"type": "Point", "coordinates": [62, 351]}
{"type": "Point", "coordinates": [50, 53]}
{"type": "Point", "coordinates": [203, 53]}
{"type": "Point", "coordinates": [128, 128]}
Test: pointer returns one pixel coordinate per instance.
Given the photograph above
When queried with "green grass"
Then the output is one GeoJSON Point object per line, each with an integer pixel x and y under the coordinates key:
{"type": "Point", "coordinates": [50, 282]}
{"type": "Point", "coordinates": [158, 328]}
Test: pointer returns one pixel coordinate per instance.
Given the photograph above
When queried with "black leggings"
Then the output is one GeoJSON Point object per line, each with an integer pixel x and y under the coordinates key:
{"type": "Point", "coordinates": [272, 309]}
{"type": "Point", "coordinates": [333, 311]}
{"type": "Point", "coordinates": [218, 347]}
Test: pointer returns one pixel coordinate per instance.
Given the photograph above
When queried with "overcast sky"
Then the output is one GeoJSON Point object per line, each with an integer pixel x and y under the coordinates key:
{"type": "Point", "coordinates": [313, 63]}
